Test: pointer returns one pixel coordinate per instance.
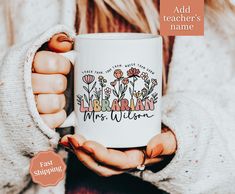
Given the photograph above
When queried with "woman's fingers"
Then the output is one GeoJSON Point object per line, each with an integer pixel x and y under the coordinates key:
{"type": "Point", "coordinates": [47, 62]}
{"type": "Point", "coordinates": [103, 161]}
{"type": "Point", "coordinates": [79, 138]}
{"type": "Point", "coordinates": [150, 161]}
{"type": "Point", "coordinates": [90, 163]}
{"type": "Point", "coordinates": [76, 142]}
{"type": "Point", "coordinates": [111, 157]}
{"type": "Point", "coordinates": [54, 120]}
{"type": "Point", "coordinates": [50, 103]}
{"type": "Point", "coordinates": [60, 43]}
{"type": "Point", "coordinates": [48, 84]}
{"type": "Point", "coordinates": [161, 144]}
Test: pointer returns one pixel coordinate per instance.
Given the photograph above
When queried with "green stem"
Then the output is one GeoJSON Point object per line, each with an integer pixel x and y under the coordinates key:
{"type": "Point", "coordinates": [118, 89]}
{"type": "Point", "coordinates": [133, 87]}
{"type": "Point", "coordinates": [102, 93]}
{"type": "Point", "coordinates": [88, 94]}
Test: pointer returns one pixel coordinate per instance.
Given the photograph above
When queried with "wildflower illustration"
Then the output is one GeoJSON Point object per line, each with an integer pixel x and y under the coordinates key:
{"type": "Point", "coordinates": [149, 86]}
{"type": "Point", "coordinates": [97, 91]}
{"type": "Point", "coordinates": [118, 74]}
{"type": "Point", "coordinates": [144, 76]}
{"type": "Point", "coordinates": [88, 79]}
{"type": "Point", "coordinates": [137, 94]}
{"type": "Point", "coordinates": [97, 94]}
{"type": "Point", "coordinates": [125, 81]}
{"type": "Point", "coordinates": [121, 83]}
{"type": "Point", "coordinates": [155, 97]}
{"type": "Point", "coordinates": [79, 99]}
{"type": "Point", "coordinates": [102, 82]}
{"type": "Point", "coordinates": [134, 74]}
{"type": "Point", "coordinates": [107, 92]}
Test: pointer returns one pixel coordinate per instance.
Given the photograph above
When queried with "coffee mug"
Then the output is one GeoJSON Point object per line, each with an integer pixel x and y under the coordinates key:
{"type": "Point", "coordinates": [117, 89]}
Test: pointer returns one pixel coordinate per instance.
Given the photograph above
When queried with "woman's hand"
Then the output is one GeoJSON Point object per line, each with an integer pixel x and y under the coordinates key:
{"type": "Point", "coordinates": [49, 80]}
{"type": "Point", "coordinates": [108, 162]}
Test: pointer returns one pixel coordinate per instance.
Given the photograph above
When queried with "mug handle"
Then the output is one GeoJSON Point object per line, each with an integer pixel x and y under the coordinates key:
{"type": "Point", "coordinates": [70, 121]}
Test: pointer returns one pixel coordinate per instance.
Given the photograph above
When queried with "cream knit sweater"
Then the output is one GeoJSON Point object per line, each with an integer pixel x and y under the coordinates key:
{"type": "Point", "coordinates": [199, 105]}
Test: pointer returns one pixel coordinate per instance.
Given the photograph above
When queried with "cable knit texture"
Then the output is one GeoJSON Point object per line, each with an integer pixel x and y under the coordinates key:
{"type": "Point", "coordinates": [199, 108]}
{"type": "Point", "coordinates": [23, 132]}
{"type": "Point", "coordinates": [199, 105]}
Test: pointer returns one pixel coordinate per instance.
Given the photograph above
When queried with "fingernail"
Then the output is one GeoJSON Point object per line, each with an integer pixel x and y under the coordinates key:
{"type": "Point", "coordinates": [64, 38]}
{"type": "Point", "coordinates": [87, 149]}
{"type": "Point", "coordinates": [65, 144]}
{"type": "Point", "coordinates": [73, 142]}
{"type": "Point", "coordinates": [156, 151]}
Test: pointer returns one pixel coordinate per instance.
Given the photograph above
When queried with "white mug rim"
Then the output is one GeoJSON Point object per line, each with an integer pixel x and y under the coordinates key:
{"type": "Point", "coordinates": [117, 36]}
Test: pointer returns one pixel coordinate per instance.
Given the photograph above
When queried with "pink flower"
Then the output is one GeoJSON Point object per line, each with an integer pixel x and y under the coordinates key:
{"type": "Point", "coordinates": [133, 72]}
{"type": "Point", "coordinates": [125, 81]}
{"type": "Point", "coordinates": [113, 83]}
{"type": "Point", "coordinates": [107, 91]}
{"type": "Point", "coordinates": [154, 82]}
{"type": "Point", "coordinates": [118, 73]}
{"type": "Point", "coordinates": [144, 76]}
{"type": "Point", "coordinates": [88, 79]}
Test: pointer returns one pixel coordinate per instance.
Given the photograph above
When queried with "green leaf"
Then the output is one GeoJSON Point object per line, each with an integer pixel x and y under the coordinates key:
{"type": "Point", "coordinates": [85, 88]}
{"type": "Point", "coordinates": [147, 86]}
{"type": "Point", "coordinates": [120, 88]}
{"type": "Point", "coordinates": [154, 95]}
{"type": "Point", "coordinates": [122, 96]}
{"type": "Point", "coordinates": [86, 99]}
{"type": "Point", "coordinates": [93, 86]}
{"type": "Point", "coordinates": [150, 90]}
{"type": "Point", "coordinates": [79, 99]}
{"type": "Point", "coordinates": [130, 91]}
{"type": "Point", "coordinates": [131, 82]}
{"type": "Point", "coordinates": [115, 93]}
{"type": "Point", "coordinates": [124, 89]}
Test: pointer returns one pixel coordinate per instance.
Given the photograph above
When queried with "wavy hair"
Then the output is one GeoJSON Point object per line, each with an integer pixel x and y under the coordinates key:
{"type": "Point", "coordinates": [143, 15]}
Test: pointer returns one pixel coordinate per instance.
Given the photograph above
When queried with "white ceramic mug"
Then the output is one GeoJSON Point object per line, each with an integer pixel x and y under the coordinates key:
{"type": "Point", "coordinates": [117, 89]}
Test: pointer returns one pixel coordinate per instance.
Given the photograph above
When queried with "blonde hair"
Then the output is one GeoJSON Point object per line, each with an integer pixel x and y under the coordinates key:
{"type": "Point", "coordinates": [222, 14]}
{"type": "Point", "coordinates": [143, 15]}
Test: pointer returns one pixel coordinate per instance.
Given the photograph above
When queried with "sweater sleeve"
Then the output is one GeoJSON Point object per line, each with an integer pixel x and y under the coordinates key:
{"type": "Point", "coordinates": [204, 159]}
{"type": "Point", "coordinates": [199, 108]}
{"type": "Point", "coordinates": [23, 132]}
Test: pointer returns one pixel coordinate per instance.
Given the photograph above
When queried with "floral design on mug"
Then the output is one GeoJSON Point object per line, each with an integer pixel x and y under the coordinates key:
{"type": "Point", "coordinates": [134, 74]}
{"type": "Point", "coordinates": [88, 79]}
{"type": "Point", "coordinates": [113, 96]}
{"type": "Point", "coordinates": [144, 76]}
{"type": "Point", "coordinates": [107, 92]}
{"type": "Point", "coordinates": [121, 84]}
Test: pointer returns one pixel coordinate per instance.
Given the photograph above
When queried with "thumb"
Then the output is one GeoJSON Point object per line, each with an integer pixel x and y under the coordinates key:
{"type": "Point", "coordinates": [162, 144]}
{"type": "Point", "coordinates": [60, 43]}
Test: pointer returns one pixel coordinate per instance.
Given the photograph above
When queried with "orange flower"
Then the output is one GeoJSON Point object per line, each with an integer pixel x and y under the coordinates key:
{"type": "Point", "coordinates": [133, 72]}
{"type": "Point", "coordinates": [118, 73]}
{"type": "Point", "coordinates": [125, 81]}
